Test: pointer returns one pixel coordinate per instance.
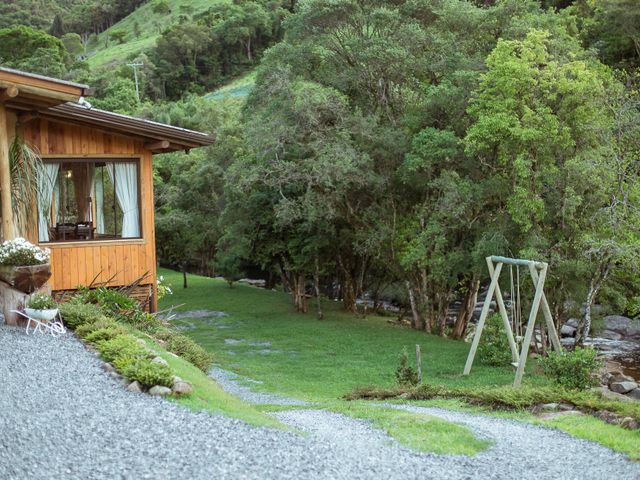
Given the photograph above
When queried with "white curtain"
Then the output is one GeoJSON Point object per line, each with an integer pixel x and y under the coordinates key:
{"type": "Point", "coordinates": [46, 183]}
{"type": "Point", "coordinates": [125, 178]}
{"type": "Point", "coordinates": [56, 201]}
{"type": "Point", "coordinates": [99, 186]}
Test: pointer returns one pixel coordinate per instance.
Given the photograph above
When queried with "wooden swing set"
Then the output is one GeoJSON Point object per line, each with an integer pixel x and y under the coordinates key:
{"type": "Point", "coordinates": [538, 272]}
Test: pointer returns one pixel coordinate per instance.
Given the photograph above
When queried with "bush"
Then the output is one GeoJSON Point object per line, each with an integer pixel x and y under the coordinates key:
{"type": "Point", "coordinates": [405, 374]}
{"type": "Point", "coordinates": [146, 372]}
{"type": "Point", "coordinates": [122, 345]}
{"type": "Point", "coordinates": [84, 330]}
{"type": "Point", "coordinates": [494, 347]}
{"type": "Point", "coordinates": [77, 314]}
{"type": "Point", "coordinates": [102, 334]}
{"type": "Point", "coordinates": [574, 370]}
{"type": "Point", "coordinates": [186, 348]}
{"type": "Point", "coordinates": [112, 302]}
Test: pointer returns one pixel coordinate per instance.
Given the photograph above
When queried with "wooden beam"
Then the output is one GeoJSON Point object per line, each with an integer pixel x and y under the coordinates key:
{"type": "Point", "coordinates": [503, 314]}
{"type": "Point", "coordinates": [159, 145]}
{"type": "Point", "coordinates": [481, 320]}
{"type": "Point", "coordinates": [8, 231]}
{"type": "Point", "coordinates": [9, 92]}
{"type": "Point", "coordinates": [25, 118]}
{"type": "Point", "coordinates": [61, 97]}
{"type": "Point", "coordinates": [553, 334]}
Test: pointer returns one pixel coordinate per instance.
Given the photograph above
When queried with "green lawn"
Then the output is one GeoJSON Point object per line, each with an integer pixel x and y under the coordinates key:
{"type": "Point", "coordinates": [311, 359]}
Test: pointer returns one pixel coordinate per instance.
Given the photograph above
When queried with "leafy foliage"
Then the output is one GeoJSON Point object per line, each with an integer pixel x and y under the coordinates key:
{"type": "Point", "coordinates": [145, 371]}
{"type": "Point", "coordinates": [41, 301]}
{"type": "Point", "coordinates": [121, 346]}
{"type": "Point", "coordinates": [77, 314]}
{"type": "Point", "coordinates": [406, 375]}
{"type": "Point", "coordinates": [186, 348]}
{"type": "Point", "coordinates": [574, 370]}
{"type": "Point", "coordinates": [494, 346]}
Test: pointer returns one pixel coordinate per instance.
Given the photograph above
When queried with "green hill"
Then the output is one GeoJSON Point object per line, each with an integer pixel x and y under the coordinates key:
{"type": "Point", "coordinates": [239, 88]}
{"type": "Point", "coordinates": [142, 27]}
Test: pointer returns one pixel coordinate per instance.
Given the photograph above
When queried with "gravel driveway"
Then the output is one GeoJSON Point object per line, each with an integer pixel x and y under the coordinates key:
{"type": "Point", "coordinates": [62, 417]}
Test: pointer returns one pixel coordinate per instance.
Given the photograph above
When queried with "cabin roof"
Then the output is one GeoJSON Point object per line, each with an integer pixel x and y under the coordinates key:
{"type": "Point", "coordinates": [36, 96]}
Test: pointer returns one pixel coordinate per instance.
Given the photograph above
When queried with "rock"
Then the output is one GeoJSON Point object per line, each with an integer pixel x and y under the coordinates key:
{"type": "Point", "coordinates": [182, 388]}
{"type": "Point", "coordinates": [545, 407]}
{"type": "Point", "coordinates": [565, 407]}
{"type": "Point", "coordinates": [159, 391]}
{"type": "Point", "coordinates": [550, 415]}
{"type": "Point", "coordinates": [609, 395]}
{"type": "Point", "coordinates": [633, 331]}
{"type": "Point", "coordinates": [607, 416]}
{"type": "Point", "coordinates": [635, 394]}
{"type": "Point", "coordinates": [572, 322]}
{"type": "Point", "coordinates": [568, 331]}
{"type": "Point", "coordinates": [620, 377]}
{"type": "Point", "coordinates": [107, 367]}
{"type": "Point", "coordinates": [141, 342]}
{"type": "Point", "coordinates": [611, 335]}
{"type": "Point", "coordinates": [568, 341]}
{"type": "Point", "coordinates": [135, 387]}
{"type": "Point", "coordinates": [115, 375]}
{"type": "Point", "coordinates": [160, 360]}
{"type": "Point", "coordinates": [623, 387]}
{"type": "Point", "coordinates": [617, 323]}
{"type": "Point", "coordinates": [629, 423]}
{"type": "Point", "coordinates": [176, 379]}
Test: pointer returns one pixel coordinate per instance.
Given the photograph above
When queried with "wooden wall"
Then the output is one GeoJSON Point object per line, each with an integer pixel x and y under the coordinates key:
{"type": "Point", "coordinates": [78, 263]}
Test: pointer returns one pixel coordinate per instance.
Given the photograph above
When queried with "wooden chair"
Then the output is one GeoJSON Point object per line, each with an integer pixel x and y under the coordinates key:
{"type": "Point", "coordinates": [84, 230]}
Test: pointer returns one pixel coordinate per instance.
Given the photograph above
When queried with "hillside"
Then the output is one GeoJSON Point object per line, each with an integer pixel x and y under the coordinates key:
{"type": "Point", "coordinates": [142, 27]}
{"type": "Point", "coordinates": [35, 13]}
{"type": "Point", "coordinates": [239, 88]}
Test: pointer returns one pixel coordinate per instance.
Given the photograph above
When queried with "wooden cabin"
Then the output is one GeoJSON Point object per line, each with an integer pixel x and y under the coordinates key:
{"type": "Point", "coordinates": [95, 193]}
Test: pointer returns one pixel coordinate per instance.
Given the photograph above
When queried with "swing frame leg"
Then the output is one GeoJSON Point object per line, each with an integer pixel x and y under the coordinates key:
{"type": "Point", "coordinates": [538, 281]}
{"type": "Point", "coordinates": [505, 318]}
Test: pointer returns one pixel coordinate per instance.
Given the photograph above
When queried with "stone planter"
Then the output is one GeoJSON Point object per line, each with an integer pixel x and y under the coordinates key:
{"type": "Point", "coordinates": [26, 279]}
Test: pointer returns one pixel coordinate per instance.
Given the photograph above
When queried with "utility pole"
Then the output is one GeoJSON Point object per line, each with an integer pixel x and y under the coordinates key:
{"type": "Point", "coordinates": [135, 76]}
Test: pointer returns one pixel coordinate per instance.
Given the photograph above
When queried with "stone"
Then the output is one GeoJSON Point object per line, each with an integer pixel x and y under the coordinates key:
{"type": "Point", "coordinates": [176, 379]}
{"type": "Point", "coordinates": [545, 407]}
{"type": "Point", "coordinates": [160, 360]}
{"type": "Point", "coordinates": [609, 395]}
{"type": "Point", "coordinates": [568, 341]}
{"type": "Point", "coordinates": [607, 416]}
{"type": "Point", "coordinates": [159, 391]}
{"type": "Point", "coordinates": [135, 387]}
{"type": "Point", "coordinates": [182, 388]}
{"type": "Point", "coordinates": [611, 335]}
{"type": "Point", "coordinates": [617, 323]}
{"type": "Point", "coordinates": [568, 331]}
{"type": "Point", "coordinates": [555, 414]}
{"type": "Point", "coordinates": [115, 375]}
{"type": "Point", "coordinates": [573, 323]}
{"type": "Point", "coordinates": [623, 387]}
{"type": "Point", "coordinates": [629, 423]}
{"type": "Point", "coordinates": [141, 342]}
{"type": "Point", "coordinates": [633, 331]}
{"type": "Point", "coordinates": [635, 394]}
{"type": "Point", "coordinates": [107, 367]}
{"type": "Point", "coordinates": [620, 377]}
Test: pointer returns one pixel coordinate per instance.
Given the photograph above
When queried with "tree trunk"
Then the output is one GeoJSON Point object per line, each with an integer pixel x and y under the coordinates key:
{"type": "Point", "coordinates": [584, 327]}
{"type": "Point", "coordinates": [466, 310]}
{"type": "Point", "coordinates": [347, 287]}
{"type": "Point", "coordinates": [249, 49]}
{"type": "Point", "coordinates": [316, 285]}
{"type": "Point", "coordinates": [184, 277]}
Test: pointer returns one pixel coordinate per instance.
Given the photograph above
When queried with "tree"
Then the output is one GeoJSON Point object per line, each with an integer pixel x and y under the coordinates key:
{"type": "Point", "coordinates": [117, 35]}
{"type": "Point", "coordinates": [73, 43]}
{"type": "Point", "coordinates": [242, 23]}
{"type": "Point", "coordinates": [33, 50]}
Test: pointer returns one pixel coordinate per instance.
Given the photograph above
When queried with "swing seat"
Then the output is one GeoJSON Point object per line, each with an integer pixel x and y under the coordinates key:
{"type": "Point", "coordinates": [514, 364]}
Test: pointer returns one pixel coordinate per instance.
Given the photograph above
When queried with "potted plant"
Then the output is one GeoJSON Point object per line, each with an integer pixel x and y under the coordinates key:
{"type": "Point", "coordinates": [41, 307]}
{"type": "Point", "coordinates": [23, 265]}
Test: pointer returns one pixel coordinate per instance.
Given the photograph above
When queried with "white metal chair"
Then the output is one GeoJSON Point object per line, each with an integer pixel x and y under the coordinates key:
{"type": "Point", "coordinates": [55, 327]}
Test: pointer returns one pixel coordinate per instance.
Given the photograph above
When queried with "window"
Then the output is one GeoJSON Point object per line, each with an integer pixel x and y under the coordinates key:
{"type": "Point", "coordinates": [87, 199]}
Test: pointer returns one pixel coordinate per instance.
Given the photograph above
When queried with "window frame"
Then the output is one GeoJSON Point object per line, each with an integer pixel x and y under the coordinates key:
{"type": "Point", "coordinates": [137, 159]}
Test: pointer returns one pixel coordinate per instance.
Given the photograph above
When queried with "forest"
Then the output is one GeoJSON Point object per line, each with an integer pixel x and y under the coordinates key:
{"type": "Point", "coordinates": [385, 148]}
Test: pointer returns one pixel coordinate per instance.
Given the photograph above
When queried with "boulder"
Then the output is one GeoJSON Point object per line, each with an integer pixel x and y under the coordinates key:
{"type": "Point", "coordinates": [141, 342]}
{"type": "Point", "coordinates": [633, 331]}
{"type": "Point", "coordinates": [159, 391]}
{"type": "Point", "coordinates": [182, 388]}
{"type": "Point", "coordinates": [568, 331]}
{"type": "Point", "coordinates": [629, 423]}
{"type": "Point", "coordinates": [135, 387]}
{"type": "Point", "coordinates": [572, 322]}
{"type": "Point", "coordinates": [568, 341]}
{"type": "Point", "coordinates": [623, 387]}
{"type": "Point", "coordinates": [160, 360]}
{"type": "Point", "coordinates": [635, 394]}
{"type": "Point", "coordinates": [611, 335]}
{"type": "Point", "coordinates": [107, 367]}
{"type": "Point", "coordinates": [115, 375]}
{"type": "Point", "coordinates": [617, 323]}
{"type": "Point", "coordinates": [608, 394]}
{"type": "Point", "coordinates": [620, 377]}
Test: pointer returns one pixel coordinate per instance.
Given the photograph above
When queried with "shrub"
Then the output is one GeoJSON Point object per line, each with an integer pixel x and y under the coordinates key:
{"type": "Point", "coordinates": [146, 372]}
{"type": "Point", "coordinates": [186, 348]}
{"type": "Point", "coordinates": [83, 330]}
{"type": "Point", "coordinates": [41, 301]}
{"type": "Point", "coordinates": [111, 301]}
{"type": "Point", "coordinates": [19, 252]}
{"type": "Point", "coordinates": [575, 370]}
{"type": "Point", "coordinates": [102, 334]}
{"type": "Point", "coordinates": [494, 346]}
{"type": "Point", "coordinates": [122, 345]}
{"type": "Point", "coordinates": [76, 314]}
{"type": "Point", "coordinates": [405, 374]}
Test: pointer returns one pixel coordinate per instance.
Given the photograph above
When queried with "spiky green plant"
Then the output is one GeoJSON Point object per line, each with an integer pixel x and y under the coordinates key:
{"type": "Point", "coordinates": [25, 164]}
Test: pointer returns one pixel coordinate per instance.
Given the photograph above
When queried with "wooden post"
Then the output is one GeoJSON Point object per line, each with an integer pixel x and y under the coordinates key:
{"type": "Point", "coordinates": [8, 232]}
{"type": "Point", "coordinates": [483, 317]}
{"type": "Point", "coordinates": [419, 364]}
{"type": "Point", "coordinates": [532, 320]}
{"type": "Point", "coordinates": [553, 334]}
{"type": "Point", "coordinates": [505, 317]}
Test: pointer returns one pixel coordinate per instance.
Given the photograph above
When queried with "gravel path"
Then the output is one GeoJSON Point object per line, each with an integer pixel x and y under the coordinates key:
{"type": "Point", "coordinates": [64, 418]}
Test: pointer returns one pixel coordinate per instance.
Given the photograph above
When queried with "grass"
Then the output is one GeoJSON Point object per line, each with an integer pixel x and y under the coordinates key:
{"type": "Point", "coordinates": [324, 360]}
{"type": "Point", "coordinates": [239, 88]}
{"type": "Point", "coordinates": [318, 360]}
{"type": "Point", "coordinates": [149, 25]}
{"type": "Point", "coordinates": [208, 395]}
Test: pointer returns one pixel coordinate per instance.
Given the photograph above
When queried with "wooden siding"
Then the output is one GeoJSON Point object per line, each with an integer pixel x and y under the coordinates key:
{"type": "Point", "coordinates": [117, 262]}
